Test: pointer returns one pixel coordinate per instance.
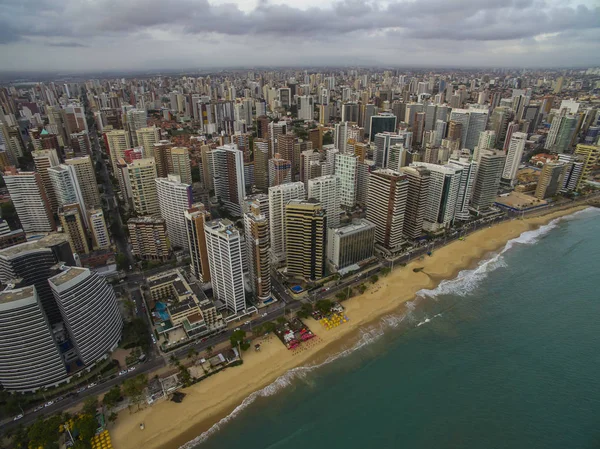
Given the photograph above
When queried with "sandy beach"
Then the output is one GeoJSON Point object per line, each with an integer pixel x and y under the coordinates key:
{"type": "Point", "coordinates": [170, 425]}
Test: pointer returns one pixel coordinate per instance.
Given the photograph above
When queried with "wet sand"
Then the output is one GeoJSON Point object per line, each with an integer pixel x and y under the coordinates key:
{"type": "Point", "coordinates": [169, 425]}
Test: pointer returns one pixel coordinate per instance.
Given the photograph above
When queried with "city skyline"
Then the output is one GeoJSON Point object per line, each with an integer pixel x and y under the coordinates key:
{"type": "Point", "coordinates": [148, 35]}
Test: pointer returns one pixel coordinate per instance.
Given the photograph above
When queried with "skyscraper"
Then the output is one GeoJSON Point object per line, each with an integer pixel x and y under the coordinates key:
{"type": "Point", "coordinates": [43, 160]}
{"type": "Point", "coordinates": [551, 180]}
{"type": "Point", "coordinates": [147, 138]}
{"type": "Point", "coordinates": [327, 191]}
{"type": "Point", "coordinates": [224, 245]}
{"type": "Point", "coordinates": [279, 196]}
{"type": "Point", "coordinates": [73, 225]}
{"type": "Point", "coordinates": [383, 122]}
{"type": "Point", "coordinates": [136, 119]}
{"type": "Point", "coordinates": [141, 185]}
{"type": "Point", "coordinates": [473, 122]}
{"type": "Point", "coordinates": [340, 139]}
{"type": "Point", "coordinates": [148, 236]}
{"type": "Point", "coordinates": [416, 200]}
{"type": "Point", "coordinates": [443, 191]}
{"type": "Point", "coordinates": [467, 180]}
{"type": "Point", "coordinates": [98, 229]}
{"type": "Point", "coordinates": [306, 225]}
{"type": "Point", "coordinates": [180, 158]}
{"type": "Point", "coordinates": [174, 198]}
{"type": "Point", "coordinates": [346, 169]}
{"type": "Point", "coordinates": [195, 218]}
{"type": "Point", "coordinates": [162, 157]}
{"type": "Point", "coordinates": [590, 155]}
{"type": "Point", "coordinates": [29, 356]}
{"type": "Point", "coordinates": [310, 166]}
{"type": "Point", "coordinates": [258, 249]}
{"type": "Point", "coordinates": [29, 198]}
{"type": "Point", "coordinates": [485, 190]}
{"type": "Point", "coordinates": [280, 171]}
{"type": "Point", "coordinates": [386, 206]}
{"type": "Point", "coordinates": [305, 107]}
{"type": "Point", "coordinates": [86, 178]}
{"type": "Point", "coordinates": [118, 141]}
{"type": "Point", "coordinates": [350, 244]}
{"type": "Point", "coordinates": [487, 140]}
{"type": "Point", "coordinates": [514, 156]}
{"type": "Point", "coordinates": [227, 168]}
{"type": "Point", "coordinates": [93, 320]}
{"type": "Point", "coordinates": [261, 164]}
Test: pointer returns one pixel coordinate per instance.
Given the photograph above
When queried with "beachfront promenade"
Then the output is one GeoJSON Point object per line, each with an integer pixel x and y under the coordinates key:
{"type": "Point", "coordinates": [157, 362]}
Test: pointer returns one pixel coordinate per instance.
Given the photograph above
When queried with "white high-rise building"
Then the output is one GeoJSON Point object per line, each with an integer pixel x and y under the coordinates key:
{"type": "Point", "coordinates": [227, 169]}
{"type": "Point", "coordinates": [305, 107]}
{"type": "Point", "coordinates": [86, 177]}
{"type": "Point", "coordinates": [346, 168]}
{"type": "Point", "coordinates": [516, 147]}
{"type": "Point", "coordinates": [467, 181]}
{"type": "Point", "coordinates": [279, 196]}
{"type": "Point", "coordinates": [487, 140]}
{"type": "Point", "coordinates": [330, 154]}
{"type": "Point", "coordinates": [174, 198]}
{"type": "Point", "coordinates": [118, 141]}
{"type": "Point", "coordinates": [224, 247]}
{"type": "Point", "coordinates": [99, 231]}
{"type": "Point", "coordinates": [444, 186]}
{"type": "Point", "coordinates": [29, 198]}
{"type": "Point", "coordinates": [473, 122]}
{"type": "Point", "coordinates": [326, 190]}
{"type": "Point", "coordinates": [67, 189]}
{"type": "Point", "coordinates": [136, 119]}
{"type": "Point", "coordinates": [140, 184]}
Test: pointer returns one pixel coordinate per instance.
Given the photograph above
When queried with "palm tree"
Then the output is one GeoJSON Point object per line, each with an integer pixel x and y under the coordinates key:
{"type": "Point", "coordinates": [209, 350]}
{"type": "Point", "coordinates": [174, 360]}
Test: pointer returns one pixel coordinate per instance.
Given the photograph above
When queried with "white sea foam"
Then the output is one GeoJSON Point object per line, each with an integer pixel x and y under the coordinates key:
{"type": "Point", "coordinates": [465, 282]}
{"type": "Point", "coordinates": [468, 280]}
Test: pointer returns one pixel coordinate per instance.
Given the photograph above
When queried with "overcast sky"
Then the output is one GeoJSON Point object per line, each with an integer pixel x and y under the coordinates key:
{"type": "Point", "coordinates": [98, 35]}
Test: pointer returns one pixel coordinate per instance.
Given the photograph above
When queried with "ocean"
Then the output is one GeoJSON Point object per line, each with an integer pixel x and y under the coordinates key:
{"type": "Point", "coordinates": [506, 355]}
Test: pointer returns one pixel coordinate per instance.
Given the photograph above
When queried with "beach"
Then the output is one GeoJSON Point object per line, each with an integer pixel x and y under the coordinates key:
{"type": "Point", "coordinates": [170, 425]}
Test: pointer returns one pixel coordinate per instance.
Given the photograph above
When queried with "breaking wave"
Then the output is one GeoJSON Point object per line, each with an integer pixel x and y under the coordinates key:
{"type": "Point", "coordinates": [465, 282]}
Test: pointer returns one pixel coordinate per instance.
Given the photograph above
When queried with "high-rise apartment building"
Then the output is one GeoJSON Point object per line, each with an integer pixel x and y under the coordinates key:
{"type": "Point", "coordinates": [310, 166]}
{"type": "Point", "coordinates": [86, 178]}
{"type": "Point", "coordinates": [351, 244]}
{"type": "Point", "coordinates": [261, 164]}
{"type": "Point", "coordinates": [551, 179]}
{"type": "Point", "coordinates": [118, 141]}
{"type": "Point", "coordinates": [443, 192]}
{"type": "Point", "coordinates": [93, 321]}
{"type": "Point", "coordinates": [327, 191]}
{"type": "Point", "coordinates": [346, 169]}
{"type": "Point", "coordinates": [162, 156]}
{"type": "Point", "coordinates": [305, 107]}
{"type": "Point", "coordinates": [573, 171]}
{"type": "Point", "coordinates": [180, 163]}
{"type": "Point", "coordinates": [29, 356]}
{"type": "Point", "coordinates": [147, 138]}
{"type": "Point", "coordinates": [514, 155]}
{"type": "Point", "coordinates": [487, 140]}
{"type": "Point", "coordinates": [485, 190]}
{"type": "Point", "coordinates": [135, 119]}
{"type": "Point", "coordinates": [416, 200]}
{"type": "Point", "coordinates": [386, 206]}
{"type": "Point", "coordinates": [224, 246]}
{"type": "Point", "coordinates": [306, 229]}
{"type": "Point", "coordinates": [98, 229]}
{"type": "Point", "coordinates": [140, 176]}
{"type": "Point", "coordinates": [227, 169]}
{"type": "Point", "coordinates": [30, 200]}
{"type": "Point", "coordinates": [43, 160]}
{"type": "Point", "coordinates": [340, 138]}
{"type": "Point", "coordinates": [195, 218]}
{"type": "Point", "coordinates": [383, 122]}
{"type": "Point", "coordinates": [286, 145]}
{"type": "Point", "coordinates": [468, 170]}
{"type": "Point", "coordinates": [280, 171]}
{"type": "Point", "coordinates": [66, 186]}
{"type": "Point", "coordinates": [73, 224]}
{"type": "Point", "coordinates": [258, 249]}
{"type": "Point", "coordinates": [279, 196]}
{"type": "Point", "coordinates": [174, 198]}
{"type": "Point", "coordinates": [149, 239]}
{"type": "Point", "coordinates": [589, 154]}
{"type": "Point", "coordinates": [32, 262]}
{"type": "Point", "coordinates": [473, 122]}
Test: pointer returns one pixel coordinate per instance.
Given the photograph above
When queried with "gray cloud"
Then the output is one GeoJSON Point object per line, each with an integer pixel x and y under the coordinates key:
{"type": "Point", "coordinates": [353, 23]}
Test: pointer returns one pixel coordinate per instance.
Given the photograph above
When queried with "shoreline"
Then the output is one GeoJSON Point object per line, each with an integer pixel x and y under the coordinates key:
{"type": "Point", "coordinates": [170, 425]}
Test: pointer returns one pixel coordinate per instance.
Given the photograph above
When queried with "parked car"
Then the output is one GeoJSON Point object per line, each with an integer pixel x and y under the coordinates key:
{"type": "Point", "coordinates": [264, 314]}
{"type": "Point", "coordinates": [93, 384]}
{"type": "Point", "coordinates": [38, 408]}
{"type": "Point", "coordinates": [131, 369]}
{"type": "Point", "coordinates": [48, 404]}
{"type": "Point", "coordinates": [124, 371]}
{"type": "Point", "coordinates": [18, 417]}
{"type": "Point", "coordinates": [81, 390]}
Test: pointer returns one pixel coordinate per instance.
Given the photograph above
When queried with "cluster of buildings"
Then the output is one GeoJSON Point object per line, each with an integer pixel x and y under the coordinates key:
{"type": "Point", "coordinates": [248, 173]}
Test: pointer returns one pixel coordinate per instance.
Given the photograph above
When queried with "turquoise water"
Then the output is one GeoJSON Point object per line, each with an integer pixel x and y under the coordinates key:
{"type": "Point", "coordinates": [505, 356]}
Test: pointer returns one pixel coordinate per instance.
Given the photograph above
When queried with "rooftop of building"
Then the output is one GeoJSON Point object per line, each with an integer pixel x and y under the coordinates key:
{"type": "Point", "coordinates": [146, 220]}
{"type": "Point", "coordinates": [18, 294]}
{"type": "Point", "coordinates": [43, 243]}
{"type": "Point", "coordinates": [67, 275]}
{"type": "Point", "coordinates": [162, 278]}
{"type": "Point", "coordinates": [356, 225]}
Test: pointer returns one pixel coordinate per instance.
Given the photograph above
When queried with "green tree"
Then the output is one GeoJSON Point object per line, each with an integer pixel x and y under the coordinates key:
{"type": "Point", "coordinates": [209, 350]}
{"type": "Point", "coordinates": [239, 338]}
{"type": "Point", "coordinates": [86, 425]}
{"type": "Point", "coordinates": [45, 432]}
{"type": "Point", "coordinates": [112, 417]}
{"type": "Point", "coordinates": [134, 388]}
{"type": "Point", "coordinates": [8, 210]}
{"type": "Point", "coordinates": [328, 138]}
{"type": "Point", "coordinates": [196, 174]}
{"type": "Point", "coordinates": [374, 279]}
{"type": "Point", "coordinates": [324, 306]}
{"type": "Point", "coordinates": [120, 257]}
{"type": "Point", "coordinates": [90, 406]}
{"type": "Point", "coordinates": [112, 397]}
{"type": "Point", "coordinates": [385, 271]}
{"type": "Point", "coordinates": [269, 326]}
